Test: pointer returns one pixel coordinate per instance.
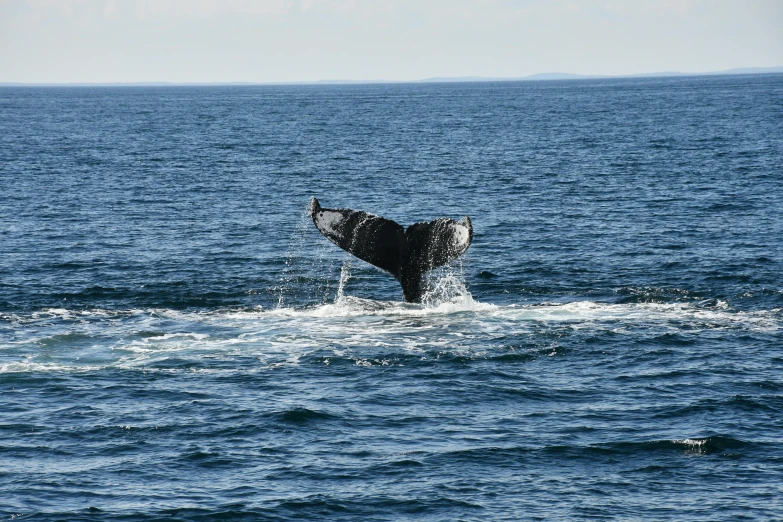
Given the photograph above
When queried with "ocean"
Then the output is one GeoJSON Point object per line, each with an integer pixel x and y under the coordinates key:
{"type": "Point", "coordinates": [177, 340]}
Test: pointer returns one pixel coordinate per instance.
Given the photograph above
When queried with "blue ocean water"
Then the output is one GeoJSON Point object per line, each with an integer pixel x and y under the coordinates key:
{"type": "Point", "coordinates": [177, 340]}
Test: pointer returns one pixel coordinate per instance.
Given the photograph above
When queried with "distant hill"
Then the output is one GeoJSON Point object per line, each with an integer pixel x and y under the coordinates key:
{"type": "Point", "coordinates": [437, 79]}
{"type": "Point", "coordinates": [558, 76]}
{"type": "Point", "coordinates": [540, 76]}
{"type": "Point", "coordinates": [751, 70]}
{"type": "Point", "coordinates": [570, 76]}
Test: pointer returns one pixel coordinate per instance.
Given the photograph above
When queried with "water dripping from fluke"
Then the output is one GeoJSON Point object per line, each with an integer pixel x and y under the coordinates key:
{"type": "Point", "coordinates": [345, 275]}
{"type": "Point", "coordinates": [307, 277]}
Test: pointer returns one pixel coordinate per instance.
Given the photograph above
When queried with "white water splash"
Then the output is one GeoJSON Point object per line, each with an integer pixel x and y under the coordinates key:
{"type": "Point", "coordinates": [446, 286]}
{"type": "Point", "coordinates": [156, 339]}
{"type": "Point", "coordinates": [693, 446]}
{"type": "Point", "coordinates": [345, 275]}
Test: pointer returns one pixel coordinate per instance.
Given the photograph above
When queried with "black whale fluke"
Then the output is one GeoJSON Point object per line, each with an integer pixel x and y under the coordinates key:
{"type": "Point", "coordinates": [405, 254]}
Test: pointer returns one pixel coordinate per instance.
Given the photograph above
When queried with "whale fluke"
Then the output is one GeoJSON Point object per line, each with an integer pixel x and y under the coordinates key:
{"type": "Point", "coordinates": [405, 254]}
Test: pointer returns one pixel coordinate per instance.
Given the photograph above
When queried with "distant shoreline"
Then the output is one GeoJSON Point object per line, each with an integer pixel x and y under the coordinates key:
{"type": "Point", "coordinates": [442, 79]}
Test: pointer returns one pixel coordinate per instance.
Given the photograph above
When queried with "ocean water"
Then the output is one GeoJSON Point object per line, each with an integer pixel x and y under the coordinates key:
{"type": "Point", "coordinates": [177, 340]}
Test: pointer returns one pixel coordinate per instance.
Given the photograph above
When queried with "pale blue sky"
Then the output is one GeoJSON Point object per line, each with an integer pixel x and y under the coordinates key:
{"type": "Point", "coordinates": [305, 40]}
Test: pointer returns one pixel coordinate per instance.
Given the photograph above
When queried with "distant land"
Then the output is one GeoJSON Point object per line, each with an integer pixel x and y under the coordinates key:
{"type": "Point", "coordinates": [436, 79]}
{"type": "Point", "coordinates": [569, 76]}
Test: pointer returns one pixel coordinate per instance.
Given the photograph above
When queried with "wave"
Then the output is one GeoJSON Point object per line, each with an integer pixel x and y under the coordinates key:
{"type": "Point", "coordinates": [672, 316]}
{"type": "Point", "coordinates": [712, 445]}
{"type": "Point", "coordinates": [448, 296]}
{"type": "Point", "coordinates": [352, 330]}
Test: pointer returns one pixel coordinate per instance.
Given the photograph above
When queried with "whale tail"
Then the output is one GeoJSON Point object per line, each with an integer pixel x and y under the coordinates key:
{"type": "Point", "coordinates": [407, 254]}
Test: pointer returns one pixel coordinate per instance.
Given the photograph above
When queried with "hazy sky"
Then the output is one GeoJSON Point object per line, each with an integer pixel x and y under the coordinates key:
{"type": "Point", "coordinates": [302, 40]}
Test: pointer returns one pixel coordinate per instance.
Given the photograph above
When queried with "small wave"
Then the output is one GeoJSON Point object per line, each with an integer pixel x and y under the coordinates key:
{"type": "Point", "coordinates": [321, 506]}
{"type": "Point", "coordinates": [722, 445]}
{"type": "Point", "coordinates": [303, 416]}
{"type": "Point", "coordinates": [71, 338]}
{"type": "Point", "coordinates": [694, 446]}
{"type": "Point", "coordinates": [167, 336]}
{"type": "Point", "coordinates": [207, 459]}
{"type": "Point", "coordinates": [635, 295]}
{"type": "Point", "coordinates": [709, 445]}
{"type": "Point", "coordinates": [35, 367]}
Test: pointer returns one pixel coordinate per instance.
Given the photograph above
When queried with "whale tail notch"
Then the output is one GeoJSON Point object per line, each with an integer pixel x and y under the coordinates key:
{"type": "Point", "coordinates": [405, 254]}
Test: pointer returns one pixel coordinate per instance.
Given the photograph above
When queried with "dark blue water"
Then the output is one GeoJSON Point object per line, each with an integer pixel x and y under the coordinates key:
{"type": "Point", "coordinates": [177, 340]}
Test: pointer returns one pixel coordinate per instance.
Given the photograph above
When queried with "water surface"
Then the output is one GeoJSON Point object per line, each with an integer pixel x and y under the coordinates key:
{"type": "Point", "coordinates": [178, 341]}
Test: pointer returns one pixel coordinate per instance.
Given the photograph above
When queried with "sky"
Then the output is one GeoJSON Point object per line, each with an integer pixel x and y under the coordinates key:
{"type": "Point", "coordinates": [205, 41]}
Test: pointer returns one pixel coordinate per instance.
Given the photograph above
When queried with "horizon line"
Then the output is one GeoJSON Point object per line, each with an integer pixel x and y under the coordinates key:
{"type": "Point", "coordinates": [551, 76]}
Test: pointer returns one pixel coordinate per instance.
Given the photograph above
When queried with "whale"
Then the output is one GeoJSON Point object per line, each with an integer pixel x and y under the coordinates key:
{"type": "Point", "coordinates": [405, 253]}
